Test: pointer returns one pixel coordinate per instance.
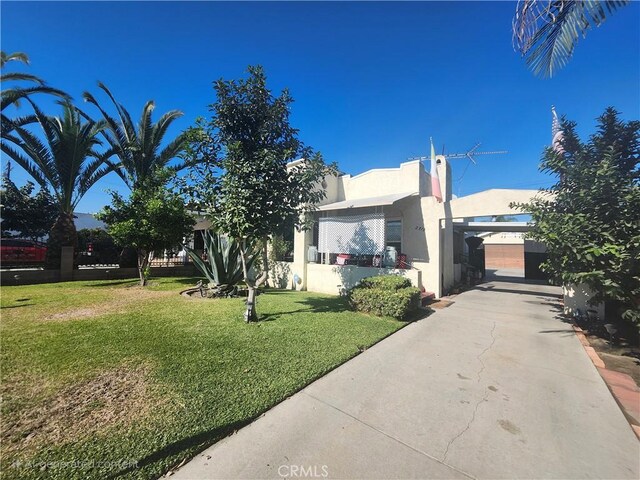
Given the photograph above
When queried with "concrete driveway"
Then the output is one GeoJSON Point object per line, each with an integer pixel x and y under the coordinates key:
{"type": "Point", "coordinates": [494, 386]}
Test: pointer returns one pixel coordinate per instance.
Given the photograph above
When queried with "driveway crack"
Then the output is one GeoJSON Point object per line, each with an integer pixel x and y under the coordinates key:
{"type": "Point", "coordinates": [481, 401]}
{"type": "Point", "coordinates": [417, 450]}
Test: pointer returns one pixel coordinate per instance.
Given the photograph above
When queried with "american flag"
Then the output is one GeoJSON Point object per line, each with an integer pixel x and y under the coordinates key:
{"type": "Point", "coordinates": [435, 180]}
{"type": "Point", "coordinates": [556, 133]}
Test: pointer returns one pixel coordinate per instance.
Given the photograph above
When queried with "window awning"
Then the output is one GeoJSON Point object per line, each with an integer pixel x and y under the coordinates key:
{"type": "Point", "coordinates": [366, 202]}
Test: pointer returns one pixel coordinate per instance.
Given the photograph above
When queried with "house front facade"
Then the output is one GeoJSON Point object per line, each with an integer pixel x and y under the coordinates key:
{"type": "Point", "coordinates": [388, 221]}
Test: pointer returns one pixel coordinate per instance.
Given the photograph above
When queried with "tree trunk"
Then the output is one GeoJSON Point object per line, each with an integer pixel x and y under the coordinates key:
{"type": "Point", "coordinates": [143, 263]}
{"type": "Point", "coordinates": [250, 314]}
{"type": "Point", "coordinates": [62, 234]}
{"type": "Point", "coordinates": [264, 278]}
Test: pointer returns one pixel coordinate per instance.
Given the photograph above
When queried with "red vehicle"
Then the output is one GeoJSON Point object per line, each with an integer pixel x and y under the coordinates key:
{"type": "Point", "coordinates": [18, 252]}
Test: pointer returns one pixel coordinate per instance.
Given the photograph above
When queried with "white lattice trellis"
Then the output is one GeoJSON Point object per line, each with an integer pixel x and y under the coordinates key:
{"type": "Point", "coordinates": [354, 234]}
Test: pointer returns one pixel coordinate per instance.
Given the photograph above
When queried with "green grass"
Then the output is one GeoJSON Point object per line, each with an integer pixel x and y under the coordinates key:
{"type": "Point", "coordinates": [106, 375]}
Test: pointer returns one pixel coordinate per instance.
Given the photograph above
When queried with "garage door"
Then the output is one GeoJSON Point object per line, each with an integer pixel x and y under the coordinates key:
{"type": "Point", "coordinates": [504, 256]}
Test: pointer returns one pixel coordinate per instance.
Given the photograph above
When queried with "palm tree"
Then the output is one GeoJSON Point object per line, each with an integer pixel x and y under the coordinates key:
{"type": "Point", "coordinates": [546, 32]}
{"type": "Point", "coordinates": [139, 148]}
{"type": "Point", "coordinates": [67, 164]}
{"type": "Point", "coordinates": [13, 95]}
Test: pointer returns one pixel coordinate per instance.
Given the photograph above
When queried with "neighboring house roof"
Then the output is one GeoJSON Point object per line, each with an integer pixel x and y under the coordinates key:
{"type": "Point", "coordinates": [202, 223]}
{"type": "Point", "coordinates": [87, 220]}
{"type": "Point", "coordinates": [367, 202]}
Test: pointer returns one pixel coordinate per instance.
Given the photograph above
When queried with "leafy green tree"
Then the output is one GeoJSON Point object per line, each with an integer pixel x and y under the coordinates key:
{"type": "Point", "coordinates": [67, 163]}
{"type": "Point", "coordinates": [31, 216]}
{"type": "Point", "coordinates": [152, 219]}
{"type": "Point", "coordinates": [13, 94]}
{"type": "Point", "coordinates": [247, 187]}
{"type": "Point", "coordinates": [140, 148]}
{"type": "Point", "coordinates": [546, 32]}
{"type": "Point", "coordinates": [590, 218]}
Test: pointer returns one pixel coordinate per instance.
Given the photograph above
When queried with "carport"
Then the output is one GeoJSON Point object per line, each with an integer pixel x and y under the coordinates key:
{"type": "Point", "coordinates": [503, 255]}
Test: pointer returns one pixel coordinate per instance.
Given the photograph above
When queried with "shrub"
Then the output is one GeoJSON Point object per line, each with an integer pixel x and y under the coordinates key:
{"type": "Point", "coordinates": [385, 282]}
{"type": "Point", "coordinates": [385, 295]}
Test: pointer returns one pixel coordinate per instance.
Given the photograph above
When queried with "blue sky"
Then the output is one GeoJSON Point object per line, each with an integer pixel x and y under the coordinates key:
{"type": "Point", "coordinates": [372, 81]}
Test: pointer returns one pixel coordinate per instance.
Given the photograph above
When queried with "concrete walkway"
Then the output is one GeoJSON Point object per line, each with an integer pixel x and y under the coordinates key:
{"type": "Point", "coordinates": [493, 386]}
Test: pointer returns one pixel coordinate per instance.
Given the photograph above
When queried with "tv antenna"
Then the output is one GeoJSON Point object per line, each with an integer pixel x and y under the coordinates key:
{"type": "Point", "coordinates": [470, 154]}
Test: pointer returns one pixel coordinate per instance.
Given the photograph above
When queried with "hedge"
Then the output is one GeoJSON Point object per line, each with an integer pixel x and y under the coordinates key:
{"type": "Point", "coordinates": [386, 282]}
{"type": "Point", "coordinates": [385, 296]}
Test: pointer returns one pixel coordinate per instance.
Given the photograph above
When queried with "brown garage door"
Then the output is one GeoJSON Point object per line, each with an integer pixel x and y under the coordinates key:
{"type": "Point", "coordinates": [504, 256]}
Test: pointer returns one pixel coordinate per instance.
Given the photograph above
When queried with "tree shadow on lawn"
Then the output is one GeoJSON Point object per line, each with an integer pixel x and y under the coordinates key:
{"type": "Point", "coordinates": [191, 281]}
{"type": "Point", "coordinates": [335, 305]}
{"type": "Point", "coordinates": [311, 305]}
{"type": "Point", "coordinates": [198, 442]}
{"type": "Point", "coordinates": [134, 282]}
{"type": "Point", "coordinates": [110, 283]}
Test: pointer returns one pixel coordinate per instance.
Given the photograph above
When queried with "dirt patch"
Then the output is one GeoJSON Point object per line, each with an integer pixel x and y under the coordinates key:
{"type": "Point", "coordinates": [620, 358]}
{"type": "Point", "coordinates": [440, 304]}
{"type": "Point", "coordinates": [123, 298]}
{"type": "Point", "coordinates": [115, 397]}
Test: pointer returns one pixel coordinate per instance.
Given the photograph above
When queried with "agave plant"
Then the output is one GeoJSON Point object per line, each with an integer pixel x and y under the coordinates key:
{"type": "Point", "coordinates": [223, 268]}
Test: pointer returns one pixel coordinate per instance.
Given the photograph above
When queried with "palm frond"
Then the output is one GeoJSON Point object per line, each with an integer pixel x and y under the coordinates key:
{"type": "Point", "coordinates": [12, 96]}
{"type": "Point", "coordinates": [94, 171]}
{"type": "Point", "coordinates": [20, 76]}
{"type": "Point", "coordinates": [26, 163]}
{"type": "Point", "coordinates": [171, 151]}
{"type": "Point", "coordinates": [39, 153]}
{"type": "Point", "coordinates": [117, 138]}
{"type": "Point", "coordinates": [546, 33]}
{"type": "Point", "coordinates": [136, 145]}
{"type": "Point", "coordinates": [48, 127]}
{"type": "Point", "coordinates": [7, 125]}
{"type": "Point", "coordinates": [24, 120]}
{"type": "Point", "coordinates": [145, 134]}
{"type": "Point", "coordinates": [15, 56]}
{"type": "Point", "coordinates": [125, 118]}
{"type": "Point", "coordinates": [163, 123]}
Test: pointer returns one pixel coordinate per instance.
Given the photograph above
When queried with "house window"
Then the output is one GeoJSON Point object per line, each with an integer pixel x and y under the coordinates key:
{"type": "Point", "coordinates": [393, 234]}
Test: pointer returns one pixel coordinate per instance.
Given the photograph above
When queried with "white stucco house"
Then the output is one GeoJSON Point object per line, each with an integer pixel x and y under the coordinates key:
{"type": "Point", "coordinates": [387, 221]}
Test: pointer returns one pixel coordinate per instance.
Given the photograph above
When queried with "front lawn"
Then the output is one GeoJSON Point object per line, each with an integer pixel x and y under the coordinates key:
{"type": "Point", "coordinates": [104, 379]}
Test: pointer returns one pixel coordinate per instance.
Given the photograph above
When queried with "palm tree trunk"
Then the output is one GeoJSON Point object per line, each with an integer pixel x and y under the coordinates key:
{"type": "Point", "coordinates": [62, 234]}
